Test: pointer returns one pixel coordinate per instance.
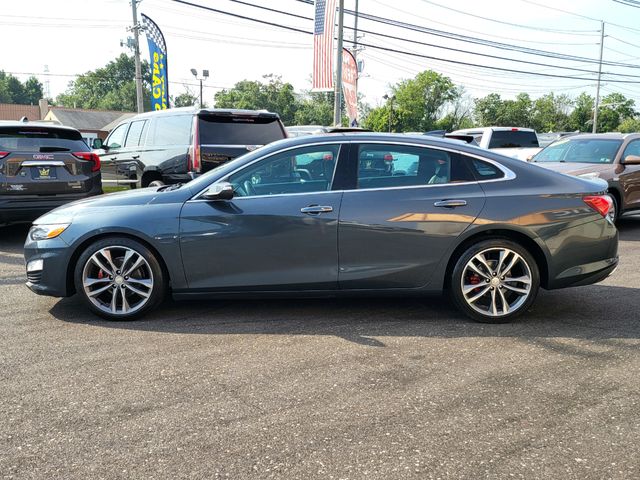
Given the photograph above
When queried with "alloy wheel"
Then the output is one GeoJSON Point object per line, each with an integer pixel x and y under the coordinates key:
{"type": "Point", "coordinates": [496, 282]}
{"type": "Point", "coordinates": [117, 280]}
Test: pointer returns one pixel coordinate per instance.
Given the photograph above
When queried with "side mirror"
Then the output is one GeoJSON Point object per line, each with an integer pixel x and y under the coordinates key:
{"type": "Point", "coordinates": [631, 160]}
{"type": "Point", "coordinates": [219, 191]}
{"type": "Point", "coordinates": [97, 144]}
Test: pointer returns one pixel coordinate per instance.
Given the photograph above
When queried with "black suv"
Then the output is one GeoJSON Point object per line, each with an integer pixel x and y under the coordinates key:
{"type": "Point", "coordinates": [43, 166]}
{"type": "Point", "coordinates": [176, 145]}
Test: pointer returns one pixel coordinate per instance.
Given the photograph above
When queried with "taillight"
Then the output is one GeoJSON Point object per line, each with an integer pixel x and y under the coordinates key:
{"type": "Point", "coordinates": [600, 203]}
{"type": "Point", "coordinates": [90, 157]}
{"type": "Point", "coordinates": [193, 161]}
{"type": "Point", "coordinates": [3, 154]}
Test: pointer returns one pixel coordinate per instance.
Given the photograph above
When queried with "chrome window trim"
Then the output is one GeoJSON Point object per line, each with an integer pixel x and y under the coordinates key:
{"type": "Point", "coordinates": [508, 173]}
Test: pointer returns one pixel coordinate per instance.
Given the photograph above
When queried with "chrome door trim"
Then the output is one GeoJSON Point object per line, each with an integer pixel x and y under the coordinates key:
{"type": "Point", "coordinates": [508, 173]}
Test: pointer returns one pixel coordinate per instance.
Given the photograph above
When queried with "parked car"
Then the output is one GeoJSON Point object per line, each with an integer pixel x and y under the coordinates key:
{"type": "Point", "coordinates": [520, 143]}
{"type": "Point", "coordinates": [614, 157]}
{"type": "Point", "coordinates": [490, 231]}
{"type": "Point", "coordinates": [177, 145]}
{"type": "Point", "coordinates": [43, 166]}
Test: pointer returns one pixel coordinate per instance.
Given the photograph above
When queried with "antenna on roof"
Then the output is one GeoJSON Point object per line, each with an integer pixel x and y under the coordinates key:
{"type": "Point", "coordinates": [24, 119]}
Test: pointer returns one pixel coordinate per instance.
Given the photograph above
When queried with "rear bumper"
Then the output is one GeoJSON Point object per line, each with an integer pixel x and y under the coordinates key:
{"type": "Point", "coordinates": [23, 208]}
{"type": "Point", "coordinates": [583, 255]}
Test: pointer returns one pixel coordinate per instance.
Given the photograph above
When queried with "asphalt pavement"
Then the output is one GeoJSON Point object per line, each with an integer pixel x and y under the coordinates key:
{"type": "Point", "coordinates": [331, 389]}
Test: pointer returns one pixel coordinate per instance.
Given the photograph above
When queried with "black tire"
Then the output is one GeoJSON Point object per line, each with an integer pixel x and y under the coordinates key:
{"type": "Point", "coordinates": [156, 292]}
{"type": "Point", "coordinates": [491, 248]}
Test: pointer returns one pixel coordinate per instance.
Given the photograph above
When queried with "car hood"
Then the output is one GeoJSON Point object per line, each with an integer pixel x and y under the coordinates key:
{"type": "Point", "coordinates": [126, 198]}
{"type": "Point", "coordinates": [574, 168]}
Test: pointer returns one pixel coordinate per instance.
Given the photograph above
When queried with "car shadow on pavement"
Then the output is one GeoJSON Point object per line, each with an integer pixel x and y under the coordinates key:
{"type": "Point", "coordinates": [578, 313]}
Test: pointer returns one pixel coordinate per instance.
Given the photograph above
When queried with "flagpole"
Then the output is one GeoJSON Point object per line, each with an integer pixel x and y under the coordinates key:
{"type": "Point", "coordinates": [337, 110]}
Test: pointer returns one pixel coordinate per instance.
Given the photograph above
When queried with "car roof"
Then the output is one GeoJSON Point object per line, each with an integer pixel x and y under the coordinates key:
{"type": "Point", "coordinates": [592, 136]}
{"type": "Point", "coordinates": [39, 124]}
{"type": "Point", "coordinates": [207, 111]}
{"type": "Point", "coordinates": [375, 137]}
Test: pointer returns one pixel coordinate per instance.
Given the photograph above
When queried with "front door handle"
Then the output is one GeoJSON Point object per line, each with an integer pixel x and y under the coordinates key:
{"type": "Point", "coordinates": [450, 203]}
{"type": "Point", "coordinates": [316, 209]}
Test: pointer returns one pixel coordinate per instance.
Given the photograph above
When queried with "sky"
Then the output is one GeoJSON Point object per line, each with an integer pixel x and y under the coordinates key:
{"type": "Point", "coordinates": [73, 36]}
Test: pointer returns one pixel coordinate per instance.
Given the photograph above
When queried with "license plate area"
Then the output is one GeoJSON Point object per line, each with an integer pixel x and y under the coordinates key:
{"type": "Point", "coordinates": [44, 173]}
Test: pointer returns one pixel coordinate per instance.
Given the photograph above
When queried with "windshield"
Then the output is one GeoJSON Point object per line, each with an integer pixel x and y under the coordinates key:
{"type": "Point", "coordinates": [575, 150]}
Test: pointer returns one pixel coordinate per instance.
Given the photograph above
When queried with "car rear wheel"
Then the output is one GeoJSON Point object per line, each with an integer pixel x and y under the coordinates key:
{"type": "Point", "coordinates": [494, 281]}
{"type": "Point", "coordinates": [119, 279]}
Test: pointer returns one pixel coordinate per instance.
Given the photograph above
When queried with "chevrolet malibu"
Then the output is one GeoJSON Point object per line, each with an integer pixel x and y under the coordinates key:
{"type": "Point", "coordinates": [334, 215]}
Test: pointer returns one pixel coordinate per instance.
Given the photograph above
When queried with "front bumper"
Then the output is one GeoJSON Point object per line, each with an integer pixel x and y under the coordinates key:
{"type": "Point", "coordinates": [52, 280]}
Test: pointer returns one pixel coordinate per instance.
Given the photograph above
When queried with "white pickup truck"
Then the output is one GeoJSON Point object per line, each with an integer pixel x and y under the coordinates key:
{"type": "Point", "coordinates": [520, 143]}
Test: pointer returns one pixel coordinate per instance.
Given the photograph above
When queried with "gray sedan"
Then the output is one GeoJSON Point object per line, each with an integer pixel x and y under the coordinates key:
{"type": "Point", "coordinates": [330, 215]}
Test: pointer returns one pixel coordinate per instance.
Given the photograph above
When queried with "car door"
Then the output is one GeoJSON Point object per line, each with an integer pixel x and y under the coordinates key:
{"type": "Point", "coordinates": [405, 207]}
{"type": "Point", "coordinates": [110, 154]}
{"type": "Point", "coordinates": [279, 232]}
{"type": "Point", "coordinates": [128, 165]}
{"type": "Point", "coordinates": [630, 177]}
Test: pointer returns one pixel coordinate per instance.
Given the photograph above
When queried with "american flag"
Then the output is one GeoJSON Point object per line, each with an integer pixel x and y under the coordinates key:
{"type": "Point", "coordinates": [323, 45]}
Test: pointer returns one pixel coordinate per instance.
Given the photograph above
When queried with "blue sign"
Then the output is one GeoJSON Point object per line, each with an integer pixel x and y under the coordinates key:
{"type": "Point", "coordinates": [158, 62]}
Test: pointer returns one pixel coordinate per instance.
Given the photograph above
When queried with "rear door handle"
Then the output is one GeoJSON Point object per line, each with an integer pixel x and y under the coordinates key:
{"type": "Point", "coordinates": [316, 209]}
{"type": "Point", "coordinates": [450, 203]}
{"type": "Point", "coordinates": [135, 157]}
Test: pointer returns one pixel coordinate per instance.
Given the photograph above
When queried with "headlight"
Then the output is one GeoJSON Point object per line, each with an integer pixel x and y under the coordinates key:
{"type": "Point", "coordinates": [43, 232]}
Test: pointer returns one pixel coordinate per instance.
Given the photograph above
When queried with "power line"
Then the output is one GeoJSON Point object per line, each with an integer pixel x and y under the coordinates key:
{"type": "Point", "coordinates": [482, 33]}
{"type": "Point", "coordinates": [475, 40]}
{"type": "Point", "coordinates": [551, 30]}
{"type": "Point", "coordinates": [185, 2]}
{"type": "Point", "coordinates": [495, 57]}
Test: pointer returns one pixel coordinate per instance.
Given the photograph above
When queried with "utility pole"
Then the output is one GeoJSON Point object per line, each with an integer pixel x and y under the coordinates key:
{"type": "Point", "coordinates": [136, 54]}
{"type": "Point", "coordinates": [355, 47]}
{"type": "Point", "coordinates": [337, 104]}
{"type": "Point", "coordinates": [595, 111]}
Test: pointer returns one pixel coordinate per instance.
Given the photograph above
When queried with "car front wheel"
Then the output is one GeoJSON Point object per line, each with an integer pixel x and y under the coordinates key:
{"type": "Point", "coordinates": [494, 280]}
{"type": "Point", "coordinates": [119, 278]}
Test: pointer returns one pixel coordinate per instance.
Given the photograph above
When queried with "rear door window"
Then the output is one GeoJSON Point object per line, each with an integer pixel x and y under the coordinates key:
{"type": "Point", "coordinates": [135, 134]}
{"type": "Point", "coordinates": [170, 130]}
{"type": "Point", "coordinates": [234, 130]}
{"type": "Point", "coordinates": [36, 139]}
{"type": "Point", "coordinates": [384, 166]}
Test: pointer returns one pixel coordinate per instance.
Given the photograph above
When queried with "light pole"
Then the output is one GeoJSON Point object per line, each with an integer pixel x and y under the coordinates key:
{"type": "Point", "coordinates": [205, 75]}
{"type": "Point", "coordinates": [390, 98]}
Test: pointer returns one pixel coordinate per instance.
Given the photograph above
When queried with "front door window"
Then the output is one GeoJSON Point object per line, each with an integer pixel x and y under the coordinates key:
{"type": "Point", "coordinates": [301, 170]}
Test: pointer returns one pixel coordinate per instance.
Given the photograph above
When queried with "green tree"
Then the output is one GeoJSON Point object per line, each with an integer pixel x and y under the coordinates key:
{"type": "Point", "coordinates": [420, 100]}
{"type": "Point", "coordinates": [111, 87]}
{"type": "Point", "coordinates": [581, 117]}
{"type": "Point", "coordinates": [273, 95]}
{"type": "Point", "coordinates": [12, 90]}
{"type": "Point", "coordinates": [614, 108]}
{"type": "Point", "coordinates": [551, 113]}
{"type": "Point", "coordinates": [488, 110]}
{"type": "Point", "coordinates": [186, 99]}
{"type": "Point", "coordinates": [315, 108]}
{"type": "Point", "coordinates": [629, 125]}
